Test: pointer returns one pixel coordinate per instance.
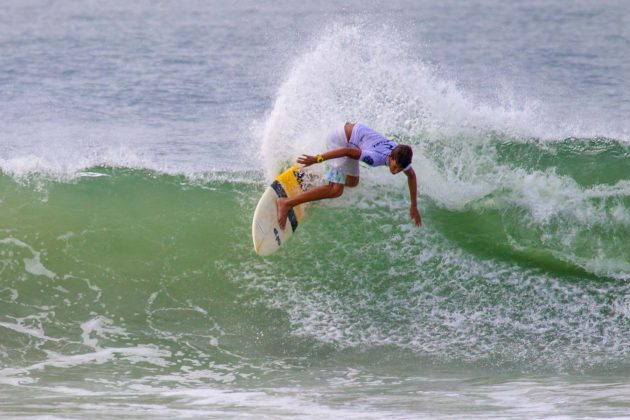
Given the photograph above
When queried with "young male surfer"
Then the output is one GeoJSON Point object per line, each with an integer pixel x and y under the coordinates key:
{"type": "Point", "coordinates": [347, 145]}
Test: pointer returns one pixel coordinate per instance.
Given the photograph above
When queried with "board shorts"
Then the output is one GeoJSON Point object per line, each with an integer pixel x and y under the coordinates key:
{"type": "Point", "coordinates": [336, 170]}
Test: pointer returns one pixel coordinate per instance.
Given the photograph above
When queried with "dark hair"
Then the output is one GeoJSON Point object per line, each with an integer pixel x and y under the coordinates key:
{"type": "Point", "coordinates": [402, 154]}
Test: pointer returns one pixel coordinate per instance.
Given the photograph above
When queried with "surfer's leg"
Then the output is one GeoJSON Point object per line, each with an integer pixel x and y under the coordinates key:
{"type": "Point", "coordinates": [283, 205]}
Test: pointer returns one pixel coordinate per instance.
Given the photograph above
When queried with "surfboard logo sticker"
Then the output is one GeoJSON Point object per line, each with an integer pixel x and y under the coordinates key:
{"type": "Point", "coordinates": [262, 230]}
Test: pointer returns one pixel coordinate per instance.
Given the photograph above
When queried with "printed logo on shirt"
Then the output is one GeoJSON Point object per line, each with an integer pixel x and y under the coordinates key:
{"type": "Point", "coordinates": [387, 144]}
{"type": "Point", "coordinates": [368, 160]}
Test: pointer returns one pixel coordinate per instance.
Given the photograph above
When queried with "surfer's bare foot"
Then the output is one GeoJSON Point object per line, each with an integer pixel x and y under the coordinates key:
{"type": "Point", "coordinates": [283, 211]}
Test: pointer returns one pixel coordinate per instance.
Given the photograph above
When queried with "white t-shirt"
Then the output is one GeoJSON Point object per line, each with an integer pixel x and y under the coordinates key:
{"type": "Point", "coordinates": [374, 146]}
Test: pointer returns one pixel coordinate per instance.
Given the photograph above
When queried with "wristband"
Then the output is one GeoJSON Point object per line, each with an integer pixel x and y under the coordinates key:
{"type": "Point", "coordinates": [319, 158]}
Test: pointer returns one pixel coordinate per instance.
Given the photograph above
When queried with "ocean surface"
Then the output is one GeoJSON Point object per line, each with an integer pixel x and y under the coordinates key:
{"type": "Point", "coordinates": [136, 138]}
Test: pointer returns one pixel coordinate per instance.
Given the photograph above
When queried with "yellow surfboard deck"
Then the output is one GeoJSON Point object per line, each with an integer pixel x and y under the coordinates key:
{"type": "Point", "coordinates": [266, 233]}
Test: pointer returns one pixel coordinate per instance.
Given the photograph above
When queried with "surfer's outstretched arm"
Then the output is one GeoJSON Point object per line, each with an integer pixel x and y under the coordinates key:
{"type": "Point", "coordinates": [413, 192]}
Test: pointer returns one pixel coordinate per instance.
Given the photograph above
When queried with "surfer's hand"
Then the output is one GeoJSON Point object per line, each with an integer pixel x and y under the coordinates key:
{"type": "Point", "coordinates": [415, 215]}
{"type": "Point", "coordinates": [307, 160]}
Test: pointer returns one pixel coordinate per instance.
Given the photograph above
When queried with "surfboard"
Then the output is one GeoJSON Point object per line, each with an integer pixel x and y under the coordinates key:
{"type": "Point", "coordinates": [266, 233]}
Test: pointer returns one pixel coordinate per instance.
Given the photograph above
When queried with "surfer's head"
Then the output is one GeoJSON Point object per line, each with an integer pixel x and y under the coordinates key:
{"type": "Point", "coordinates": [400, 158]}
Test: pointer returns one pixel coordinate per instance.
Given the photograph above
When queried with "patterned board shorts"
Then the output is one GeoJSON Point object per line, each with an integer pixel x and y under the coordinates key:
{"type": "Point", "coordinates": [337, 169]}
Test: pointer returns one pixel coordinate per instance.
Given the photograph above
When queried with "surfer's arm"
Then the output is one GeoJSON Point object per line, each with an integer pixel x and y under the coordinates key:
{"type": "Point", "coordinates": [351, 152]}
{"type": "Point", "coordinates": [413, 193]}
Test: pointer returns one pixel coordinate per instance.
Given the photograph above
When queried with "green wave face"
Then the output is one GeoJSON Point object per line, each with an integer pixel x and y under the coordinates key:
{"type": "Point", "coordinates": [130, 261]}
{"type": "Point", "coordinates": [548, 204]}
{"type": "Point", "coordinates": [150, 274]}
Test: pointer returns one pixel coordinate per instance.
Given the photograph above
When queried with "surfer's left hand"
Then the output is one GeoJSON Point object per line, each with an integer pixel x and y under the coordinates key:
{"type": "Point", "coordinates": [415, 215]}
{"type": "Point", "coordinates": [307, 160]}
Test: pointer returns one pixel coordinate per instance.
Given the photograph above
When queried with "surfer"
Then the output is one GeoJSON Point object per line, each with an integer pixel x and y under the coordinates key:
{"type": "Point", "coordinates": [347, 145]}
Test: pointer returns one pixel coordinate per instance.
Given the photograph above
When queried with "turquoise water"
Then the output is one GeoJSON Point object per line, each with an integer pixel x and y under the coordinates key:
{"type": "Point", "coordinates": [136, 140]}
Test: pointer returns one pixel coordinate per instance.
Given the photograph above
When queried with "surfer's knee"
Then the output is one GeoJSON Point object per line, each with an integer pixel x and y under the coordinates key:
{"type": "Point", "coordinates": [352, 181]}
{"type": "Point", "coordinates": [335, 190]}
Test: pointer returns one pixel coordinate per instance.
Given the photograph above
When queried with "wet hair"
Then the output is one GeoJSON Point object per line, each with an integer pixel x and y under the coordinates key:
{"type": "Point", "coordinates": [402, 155]}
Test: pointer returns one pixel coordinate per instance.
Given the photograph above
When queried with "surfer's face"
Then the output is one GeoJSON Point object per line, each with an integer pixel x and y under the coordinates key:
{"type": "Point", "coordinates": [393, 166]}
